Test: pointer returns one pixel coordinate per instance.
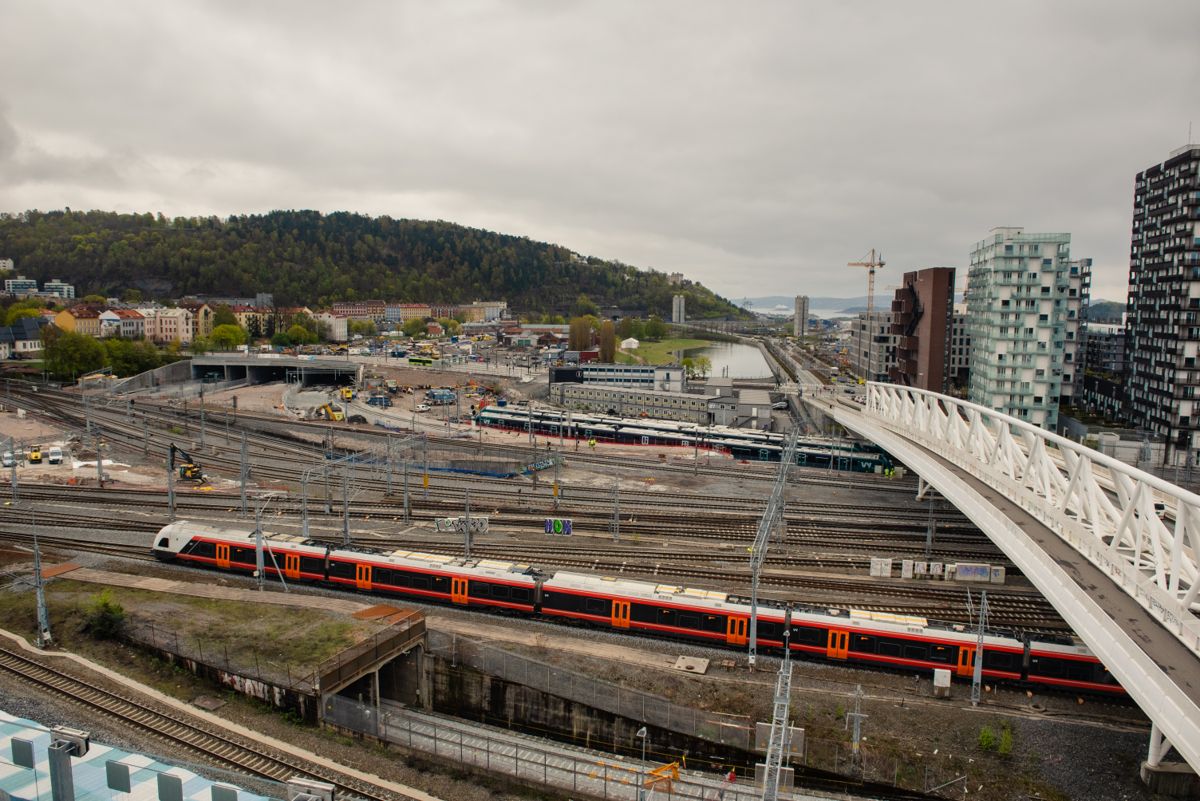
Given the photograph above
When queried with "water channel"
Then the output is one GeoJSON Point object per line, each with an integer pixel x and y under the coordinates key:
{"type": "Point", "coordinates": [733, 360]}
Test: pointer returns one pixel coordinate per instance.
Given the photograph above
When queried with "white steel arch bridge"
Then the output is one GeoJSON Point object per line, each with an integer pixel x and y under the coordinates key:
{"type": "Point", "coordinates": [1113, 548]}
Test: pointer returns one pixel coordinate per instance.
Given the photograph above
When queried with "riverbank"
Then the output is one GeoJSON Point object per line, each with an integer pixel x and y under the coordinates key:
{"type": "Point", "coordinates": [663, 352]}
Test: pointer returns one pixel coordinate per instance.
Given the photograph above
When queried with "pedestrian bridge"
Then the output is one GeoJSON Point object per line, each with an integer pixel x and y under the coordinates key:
{"type": "Point", "coordinates": [1113, 548]}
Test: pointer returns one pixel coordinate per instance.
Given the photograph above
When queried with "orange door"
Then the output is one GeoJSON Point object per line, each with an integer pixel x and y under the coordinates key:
{"type": "Point", "coordinates": [362, 577]}
{"type": "Point", "coordinates": [620, 614]}
{"type": "Point", "coordinates": [966, 660]}
{"type": "Point", "coordinates": [735, 631]}
{"type": "Point", "coordinates": [291, 565]}
{"type": "Point", "coordinates": [223, 556]}
{"type": "Point", "coordinates": [838, 645]}
{"type": "Point", "coordinates": [458, 590]}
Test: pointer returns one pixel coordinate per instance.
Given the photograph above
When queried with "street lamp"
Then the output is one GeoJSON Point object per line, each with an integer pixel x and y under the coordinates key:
{"type": "Point", "coordinates": [641, 793]}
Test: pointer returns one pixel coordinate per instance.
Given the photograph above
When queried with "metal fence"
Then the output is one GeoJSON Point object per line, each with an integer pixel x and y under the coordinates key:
{"type": "Point", "coordinates": [732, 730]}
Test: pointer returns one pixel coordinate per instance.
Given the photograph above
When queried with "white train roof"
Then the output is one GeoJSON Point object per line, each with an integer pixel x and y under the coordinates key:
{"type": "Point", "coordinates": [478, 568]}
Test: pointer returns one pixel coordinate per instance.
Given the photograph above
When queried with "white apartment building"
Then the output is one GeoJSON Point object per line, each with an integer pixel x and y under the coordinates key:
{"type": "Point", "coordinates": [1017, 303]}
{"type": "Point", "coordinates": [873, 346]}
{"type": "Point", "coordinates": [800, 324]}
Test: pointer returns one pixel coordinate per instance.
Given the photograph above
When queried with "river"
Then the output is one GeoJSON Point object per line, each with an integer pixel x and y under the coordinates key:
{"type": "Point", "coordinates": [733, 360]}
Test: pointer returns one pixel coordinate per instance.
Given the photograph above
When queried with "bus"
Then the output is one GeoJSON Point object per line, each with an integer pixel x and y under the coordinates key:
{"type": "Point", "coordinates": [423, 361]}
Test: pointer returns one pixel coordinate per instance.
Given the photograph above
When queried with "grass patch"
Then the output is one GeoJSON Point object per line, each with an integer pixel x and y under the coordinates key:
{"type": "Point", "coordinates": [664, 352]}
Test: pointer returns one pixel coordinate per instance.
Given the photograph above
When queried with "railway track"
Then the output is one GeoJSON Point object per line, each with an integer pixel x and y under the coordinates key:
{"type": "Point", "coordinates": [197, 737]}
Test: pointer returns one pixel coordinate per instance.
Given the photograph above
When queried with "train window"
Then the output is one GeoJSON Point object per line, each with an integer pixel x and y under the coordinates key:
{"type": "Point", "coordinates": [595, 606]}
{"type": "Point", "coordinates": [164, 542]}
{"type": "Point", "coordinates": [520, 594]}
{"type": "Point", "coordinates": [888, 648]}
{"type": "Point", "coordinates": [915, 652]}
{"type": "Point", "coordinates": [382, 576]}
{"type": "Point", "coordinates": [419, 582]}
{"type": "Point", "coordinates": [309, 564]}
{"type": "Point", "coordinates": [1045, 667]}
{"type": "Point", "coordinates": [1000, 660]}
{"type": "Point", "coordinates": [643, 613]}
{"type": "Point", "coordinates": [943, 653]}
{"type": "Point", "coordinates": [862, 643]}
{"type": "Point", "coordinates": [243, 555]}
{"type": "Point", "coordinates": [341, 570]}
{"type": "Point", "coordinates": [441, 583]}
{"type": "Point", "coordinates": [687, 621]}
{"type": "Point", "coordinates": [204, 549]}
{"type": "Point", "coordinates": [714, 623]}
{"type": "Point", "coordinates": [500, 591]}
{"type": "Point", "coordinates": [806, 635]}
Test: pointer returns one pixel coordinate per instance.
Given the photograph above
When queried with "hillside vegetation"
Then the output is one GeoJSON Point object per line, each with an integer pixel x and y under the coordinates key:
{"type": "Point", "coordinates": [305, 257]}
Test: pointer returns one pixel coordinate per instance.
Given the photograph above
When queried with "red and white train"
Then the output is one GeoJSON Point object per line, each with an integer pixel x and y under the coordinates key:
{"type": "Point", "coordinates": [707, 616]}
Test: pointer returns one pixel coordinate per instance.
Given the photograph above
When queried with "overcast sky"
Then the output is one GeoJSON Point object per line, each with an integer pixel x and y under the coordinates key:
{"type": "Point", "coordinates": [756, 147]}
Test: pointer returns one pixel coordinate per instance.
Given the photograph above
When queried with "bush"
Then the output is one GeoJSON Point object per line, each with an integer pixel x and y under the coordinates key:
{"type": "Point", "coordinates": [987, 738]}
{"type": "Point", "coordinates": [105, 617]}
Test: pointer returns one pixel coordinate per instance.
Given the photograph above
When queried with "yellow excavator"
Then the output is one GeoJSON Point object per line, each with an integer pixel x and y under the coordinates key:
{"type": "Point", "coordinates": [189, 468]}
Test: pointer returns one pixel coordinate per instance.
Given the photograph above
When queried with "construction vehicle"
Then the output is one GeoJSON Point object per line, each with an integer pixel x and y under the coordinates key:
{"type": "Point", "coordinates": [392, 386]}
{"type": "Point", "coordinates": [332, 412]}
{"type": "Point", "coordinates": [347, 393]}
{"type": "Point", "coordinates": [35, 454]}
{"type": "Point", "coordinates": [189, 468]}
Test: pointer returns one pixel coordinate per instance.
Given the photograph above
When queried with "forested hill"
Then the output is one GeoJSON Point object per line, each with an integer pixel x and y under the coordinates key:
{"type": "Point", "coordinates": [305, 257]}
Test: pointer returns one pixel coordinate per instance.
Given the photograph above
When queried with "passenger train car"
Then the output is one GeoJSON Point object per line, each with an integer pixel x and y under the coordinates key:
{"type": "Point", "coordinates": [705, 616]}
{"type": "Point", "coordinates": [739, 443]}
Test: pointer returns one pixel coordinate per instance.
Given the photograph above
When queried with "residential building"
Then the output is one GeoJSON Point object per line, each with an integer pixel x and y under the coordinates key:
{"type": "Point", "coordinates": [286, 316]}
{"type": "Point", "coordinates": [1017, 291]}
{"type": "Point", "coordinates": [958, 358]}
{"type": "Point", "coordinates": [491, 309]}
{"type": "Point", "coordinates": [403, 312]}
{"type": "Point", "coordinates": [1105, 348]}
{"type": "Point", "coordinates": [22, 339]}
{"type": "Point", "coordinates": [922, 319]}
{"type": "Point", "coordinates": [258, 322]}
{"type": "Point", "coordinates": [1075, 304]}
{"type": "Point", "coordinates": [20, 285]}
{"type": "Point", "coordinates": [800, 322]}
{"type": "Point", "coordinates": [132, 325]}
{"type": "Point", "coordinates": [373, 310]}
{"type": "Point", "coordinates": [678, 310]}
{"type": "Point", "coordinates": [1164, 304]}
{"type": "Point", "coordinates": [202, 318]}
{"type": "Point", "coordinates": [83, 320]}
{"type": "Point", "coordinates": [675, 279]}
{"type": "Point", "coordinates": [873, 346]}
{"type": "Point", "coordinates": [337, 328]}
{"type": "Point", "coordinates": [60, 288]}
{"type": "Point", "coordinates": [7, 265]}
{"type": "Point", "coordinates": [164, 326]}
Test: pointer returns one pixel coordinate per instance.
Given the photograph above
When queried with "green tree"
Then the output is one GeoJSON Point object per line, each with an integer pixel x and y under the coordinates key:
{"type": "Point", "coordinates": [281, 340]}
{"type": "Point", "coordinates": [68, 355]}
{"type": "Point", "coordinates": [579, 334]}
{"type": "Point", "coordinates": [132, 296]}
{"type": "Point", "coordinates": [94, 299]}
{"type": "Point", "coordinates": [227, 337]}
{"type": "Point", "coordinates": [625, 328]}
{"type": "Point", "coordinates": [608, 341]}
{"type": "Point", "coordinates": [200, 346]}
{"type": "Point", "coordinates": [584, 306]}
{"type": "Point", "coordinates": [223, 315]}
{"type": "Point", "coordinates": [414, 327]}
{"type": "Point", "coordinates": [299, 335]}
{"type": "Point", "coordinates": [450, 325]}
{"type": "Point", "coordinates": [703, 365]}
{"type": "Point", "coordinates": [366, 328]}
{"type": "Point", "coordinates": [655, 329]}
{"type": "Point", "coordinates": [16, 312]}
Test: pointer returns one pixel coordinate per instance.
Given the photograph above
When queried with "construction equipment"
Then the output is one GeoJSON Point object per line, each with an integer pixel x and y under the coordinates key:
{"type": "Point", "coordinates": [189, 468]}
{"type": "Point", "coordinates": [872, 264]}
{"type": "Point", "coordinates": [331, 412]}
{"type": "Point", "coordinates": [347, 393]}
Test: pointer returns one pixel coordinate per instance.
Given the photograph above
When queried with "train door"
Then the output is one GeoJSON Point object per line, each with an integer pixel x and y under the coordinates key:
{"type": "Point", "coordinates": [620, 614]}
{"type": "Point", "coordinates": [735, 630]}
{"type": "Point", "coordinates": [838, 645]}
{"type": "Point", "coordinates": [222, 556]}
{"type": "Point", "coordinates": [966, 660]}
{"type": "Point", "coordinates": [291, 565]}
{"type": "Point", "coordinates": [458, 590]}
{"type": "Point", "coordinates": [362, 577]}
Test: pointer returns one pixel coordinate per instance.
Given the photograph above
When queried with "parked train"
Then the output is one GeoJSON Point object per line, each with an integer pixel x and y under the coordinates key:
{"type": "Point", "coordinates": [740, 443]}
{"type": "Point", "coordinates": [705, 616]}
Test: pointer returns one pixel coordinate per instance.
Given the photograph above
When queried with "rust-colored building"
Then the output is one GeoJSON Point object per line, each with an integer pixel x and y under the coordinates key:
{"type": "Point", "coordinates": [921, 318]}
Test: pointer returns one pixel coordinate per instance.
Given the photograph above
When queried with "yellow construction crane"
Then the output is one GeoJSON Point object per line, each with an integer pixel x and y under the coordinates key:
{"type": "Point", "coordinates": [872, 264]}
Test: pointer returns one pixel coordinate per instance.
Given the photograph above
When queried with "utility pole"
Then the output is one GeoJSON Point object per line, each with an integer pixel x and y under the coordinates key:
{"type": "Point", "coordinates": [557, 459]}
{"type": "Point", "coordinates": [777, 746]}
{"type": "Point", "coordinates": [977, 675]}
{"type": "Point", "coordinates": [346, 505]}
{"type": "Point", "coordinates": [202, 427]}
{"type": "Point", "coordinates": [616, 518]}
{"type": "Point", "coordinates": [856, 718]}
{"type": "Point", "coordinates": [389, 466]}
{"type": "Point", "coordinates": [766, 524]}
{"type": "Point", "coordinates": [259, 567]}
{"type": "Point", "coordinates": [467, 524]}
{"type": "Point", "coordinates": [43, 613]}
{"type": "Point", "coordinates": [99, 461]}
{"type": "Point", "coordinates": [245, 474]}
{"type": "Point", "coordinates": [425, 468]}
{"type": "Point", "coordinates": [12, 450]}
{"type": "Point", "coordinates": [407, 508]}
{"type": "Point", "coordinates": [304, 503]}
{"type": "Point", "coordinates": [170, 485]}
